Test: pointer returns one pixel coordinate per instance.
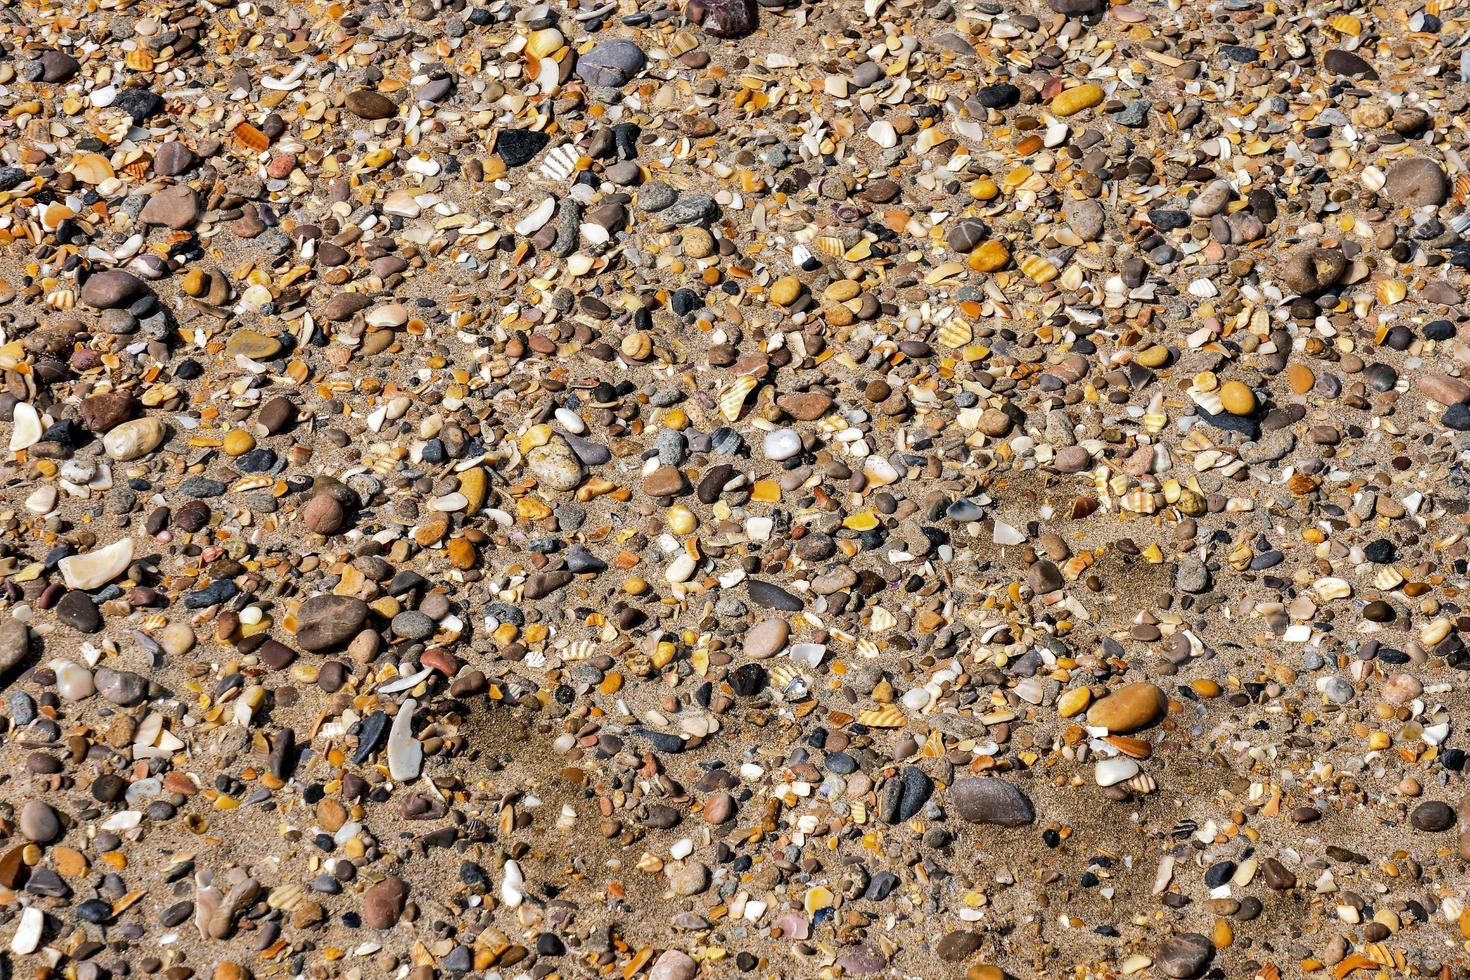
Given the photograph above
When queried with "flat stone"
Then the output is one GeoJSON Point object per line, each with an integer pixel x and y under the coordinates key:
{"type": "Point", "coordinates": [766, 638]}
{"type": "Point", "coordinates": [327, 621]}
{"type": "Point", "coordinates": [367, 104]}
{"type": "Point", "coordinates": [986, 799]}
{"type": "Point", "coordinates": [1129, 708]}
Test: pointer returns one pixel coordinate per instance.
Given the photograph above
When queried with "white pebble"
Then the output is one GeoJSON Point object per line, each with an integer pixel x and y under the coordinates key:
{"type": "Point", "coordinates": [781, 444]}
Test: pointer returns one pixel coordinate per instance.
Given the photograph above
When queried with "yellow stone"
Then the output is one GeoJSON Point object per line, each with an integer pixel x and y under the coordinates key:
{"type": "Point", "coordinates": [1074, 100]}
{"type": "Point", "coordinates": [841, 291]}
{"type": "Point", "coordinates": [984, 971]}
{"type": "Point", "coordinates": [472, 483]}
{"type": "Point", "coordinates": [461, 554]}
{"type": "Point", "coordinates": [237, 442]}
{"type": "Point", "coordinates": [253, 344]}
{"type": "Point", "coordinates": [1300, 378]}
{"type": "Point", "coordinates": [785, 291]}
{"type": "Point", "coordinates": [865, 521]}
{"type": "Point", "coordinates": [1237, 398]}
{"type": "Point", "coordinates": [984, 189]}
{"type": "Point", "coordinates": [1154, 356]}
{"type": "Point", "coordinates": [532, 509]}
{"type": "Point", "coordinates": [1073, 701]}
{"type": "Point", "coordinates": [989, 256]}
{"type": "Point", "coordinates": [676, 419]}
{"type": "Point", "coordinates": [698, 243]}
{"type": "Point", "coordinates": [1205, 688]}
{"type": "Point", "coordinates": [681, 519]}
{"type": "Point", "coordinates": [1129, 708]}
{"type": "Point", "coordinates": [194, 282]}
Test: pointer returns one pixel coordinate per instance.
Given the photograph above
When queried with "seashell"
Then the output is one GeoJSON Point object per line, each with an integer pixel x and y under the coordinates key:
{"type": "Point", "coordinates": [807, 654]}
{"type": "Point", "coordinates": [725, 441]}
{"type": "Point", "coordinates": [1038, 269]}
{"type": "Point", "coordinates": [579, 650]}
{"type": "Point", "coordinates": [1134, 748]}
{"type": "Point", "coordinates": [1139, 502]}
{"type": "Point", "coordinates": [61, 298]}
{"type": "Point", "coordinates": [887, 716]}
{"type": "Point", "coordinates": [252, 138]}
{"type": "Point", "coordinates": [1331, 588]}
{"type": "Point", "coordinates": [561, 162]}
{"type": "Point", "coordinates": [1207, 400]}
{"type": "Point", "coordinates": [1082, 506]}
{"type": "Point", "coordinates": [1391, 291]}
{"type": "Point", "coordinates": [883, 133]}
{"type": "Point", "coordinates": [405, 753]}
{"type": "Point", "coordinates": [536, 219]}
{"type": "Point", "coordinates": [956, 333]}
{"type": "Point", "coordinates": [882, 620]}
{"type": "Point", "coordinates": [1142, 783]}
{"type": "Point", "coordinates": [867, 649]}
{"type": "Point", "coordinates": [1387, 579]}
{"type": "Point", "coordinates": [26, 428]}
{"type": "Point", "coordinates": [830, 245]}
{"type": "Point", "coordinates": [97, 567]}
{"type": "Point", "coordinates": [732, 398]}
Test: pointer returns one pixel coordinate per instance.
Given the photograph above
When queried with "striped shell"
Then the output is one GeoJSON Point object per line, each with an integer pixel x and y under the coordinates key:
{"type": "Point", "coordinates": [1207, 400]}
{"type": "Point", "coordinates": [1139, 501]}
{"type": "Point", "coordinates": [955, 333]}
{"type": "Point", "coordinates": [886, 716]}
{"type": "Point", "coordinates": [1141, 783]}
{"type": "Point", "coordinates": [1038, 269]}
{"type": "Point", "coordinates": [788, 681]}
{"type": "Point", "coordinates": [561, 162]}
{"type": "Point", "coordinates": [578, 650]}
{"type": "Point", "coordinates": [1387, 579]}
{"type": "Point", "coordinates": [732, 398]}
{"type": "Point", "coordinates": [830, 245]}
{"type": "Point", "coordinates": [725, 441]}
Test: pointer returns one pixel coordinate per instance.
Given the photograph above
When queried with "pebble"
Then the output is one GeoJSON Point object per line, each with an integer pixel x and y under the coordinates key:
{"type": "Point", "coordinates": [986, 799]}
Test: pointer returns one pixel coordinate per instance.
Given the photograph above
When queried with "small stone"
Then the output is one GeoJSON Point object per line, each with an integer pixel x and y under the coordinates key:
{"type": "Point", "coordinates": [327, 621]}
{"type": "Point", "coordinates": [111, 289]}
{"type": "Point", "coordinates": [383, 904]}
{"type": "Point", "coordinates": [15, 642]}
{"type": "Point", "coordinates": [39, 823]}
{"type": "Point", "coordinates": [121, 687]}
{"type": "Point", "coordinates": [766, 639]}
{"type": "Point", "coordinates": [986, 799]}
{"type": "Point", "coordinates": [101, 413]}
{"type": "Point", "coordinates": [1129, 708]}
{"type": "Point", "coordinates": [367, 104]}
{"type": "Point", "coordinates": [611, 64]}
{"type": "Point", "coordinates": [673, 965]}
{"type": "Point", "coordinates": [1432, 817]}
{"type": "Point", "coordinates": [555, 466]}
{"type": "Point", "coordinates": [175, 207]}
{"type": "Point", "coordinates": [1185, 956]}
{"type": "Point", "coordinates": [134, 439]}
{"type": "Point", "coordinates": [1417, 182]}
{"type": "Point", "coordinates": [517, 147]}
